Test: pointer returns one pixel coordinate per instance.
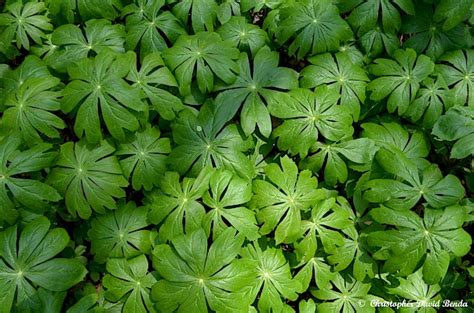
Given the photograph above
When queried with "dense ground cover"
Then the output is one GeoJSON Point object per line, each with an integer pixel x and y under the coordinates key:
{"type": "Point", "coordinates": [236, 156]}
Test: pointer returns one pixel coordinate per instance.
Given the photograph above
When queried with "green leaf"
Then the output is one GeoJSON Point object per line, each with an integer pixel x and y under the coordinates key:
{"type": "Point", "coordinates": [247, 37]}
{"type": "Point", "coordinates": [89, 178]}
{"type": "Point", "coordinates": [120, 233]}
{"type": "Point", "coordinates": [273, 281]}
{"type": "Point", "coordinates": [226, 199]}
{"type": "Point", "coordinates": [29, 109]}
{"type": "Point", "coordinates": [450, 13]}
{"type": "Point", "coordinates": [97, 89]}
{"type": "Point", "coordinates": [439, 231]}
{"type": "Point", "coordinates": [399, 80]}
{"type": "Point", "coordinates": [280, 199]}
{"type": "Point", "coordinates": [144, 159]}
{"type": "Point", "coordinates": [153, 79]}
{"type": "Point", "coordinates": [436, 190]}
{"type": "Point", "coordinates": [24, 22]}
{"type": "Point", "coordinates": [29, 261]}
{"type": "Point", "coordinates": [253, 89]}
{"type": "Point", "coordinates": [306, 114]}
{"type": "Point", "coordinates": [311, 27]}
{"type": "Point", "coordinates": [176, 204]}
{"type": "Point", "coordinates": [90, 9]}
{"type": "Point", "coordinates": [204, 54]}
{"type": "Point", "coordinates": [457, 125]}
{"type": "Point", "coordinates": [129, 281]}
{"type": "Point", "coordinates": [414, 288]}
{"type": "Point", "coordinates": [332, 157]}
{"type": "Point", "coordinates": [15, 186]}
{"type": "Point", "coordinates": [458, 72]}
{"type": "Point", "coordinates": [341, 75]}
{"type": "Point", "coordinates": [371, 14]}
{"type": "Point", "coordinates": [327, 220]}
{"type": "Point", "coordinates": [199, 14]}
{"type": "Point", "coordinates": [202, 140]}
{"type": "Point", "coordinates": [317, 268]}
{"type": "Point", "coordinates": [73, 43]}
{"type": "Point", "coordinates": [195, 276]}
{"type": "Point", "coordinates": [150, 27]}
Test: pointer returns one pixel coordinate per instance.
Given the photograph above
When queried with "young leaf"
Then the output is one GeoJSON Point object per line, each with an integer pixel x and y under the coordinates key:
{"type": "Point", "coordinates": [14, 164]}
{"type": "Point", "coordinates": [280, 200]}
{"type": "Point", "coordinates": [89, 178]}
{"type": "Point", "coordinates": [437, 236]}
{"type": "Point", "coordinates": [202, 140]}
{"type": "Point", "coordinates": [332, 156]}
{"type": "Point", "coordinates": [341, 75]}
{"type": "Point", "coordinates": [176, 204]}
{"type": "Point", "coordinates": [204, 54]}
{"type": "Point", "coordinates": [458, 72]}
{"type": "Point", "coordinates": [457, 125]}
{"type": "Point", "coordinates": [120, 233]}
{"type": "Point", "coordinates": [29, 109]}
{"type": "Point", "coordinates": [24, 22]}
{"type": "Point", "coordinates": [252, 89]}
{"type": "Point", "coordinates": [226, 197]}
{"type": "Point", "coordinates": [247, 37]}
{"type": "Point", "coordinates": [306, 114]}
{"type": "Point", "coordinates": [399, 79]}
{"type": "Point", "coordinates": [97, 85]}
{"type": "Point", "coordinates": [146, 22]}
{"type": "Point", "coordinates": [129, 281]}
{"type": "Point", "coordinates": [196, 276]}
{"type": "Point", "coordinates": [29, 261]}
{"type": "Point", "coordinates": [144, 159]}
{"type": "Point", "coordinates": [73, 43]}
{"type": "Point", "coordinates": [273, 278]}
{"type": "Point", "coordinates": [312, 27]}
{"type": "Point", "coordinates": [414, 288]}
{"type": "Point", "coordinates": [152, 79]}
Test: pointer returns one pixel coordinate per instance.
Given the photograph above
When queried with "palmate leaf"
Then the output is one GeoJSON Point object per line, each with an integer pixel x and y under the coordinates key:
{"type": "Point", "coordinates": [341, 75]}
{"type": "Point", "coordinates": [306, 114]}
{"type": "Point", "coordinates": [247, 37]}
{"type": "Point", "coordinates": [281, 198]}
{"type": "Point", "coordinates": [457, 125]}
{"type": "Point", "coordinates": [143, 160]}
{"type": "Point", "coordinates": [431, 101]}
{"type": "Point", "coordinates": [226, 199]}
{"type": "Point", "coordinates": [29, 262]}
{"type": "Point", "coordinates": [399, 79]}
{"type": "Point", "coordinates": [203, 56]}
{"type": "Point", "coordinates": [254, 88]}
{"type": "Point", "coordinates": [146, 21]}
{"type": "Point", "coordinates": [96, 9]}
{"type": "Point", "coordinates": [436, 190]}
{"type": "Point", "coordinates": [120, 233]}
{"type": "Point", "coordinates": [176, 206]}
{"type": "Point", "coordinates": [129, 281]}
{"type": "Point", "coordinates": [152, 79]}
{"type": "Point", "coordinates": [312, 26]}
{"type": "Point", "coordinates": [73, 43]}
{"type": "Point", "coordinates": [29, 109]}
{"type": "Point", "coordinates": [272, 279]}
{"type": "Point", "coordinates": [97, 89]}
{"type": "Point", "coordinates": [24, 22]}
{"type": "Point", "coordinates": [200, 15]}
{"type": "Point", "coordinates": [428, 37]}
{"type": "Point", "coordinates": [437, 236]}
{"type": "Point", "coordinates": [15, 163]}
{"type": "Point", "coordinates": [89, 178]}
{"type": "Point", "coordinates": [332, 157]}
{"type": "Point", "coordinates": [202, 140]}
{"type": "Point", "coordinates": [348, 295]}
{"type": "Point", "coordinates": [196, 276]}
{"type": "Point", "coordinates": [457, 68]}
